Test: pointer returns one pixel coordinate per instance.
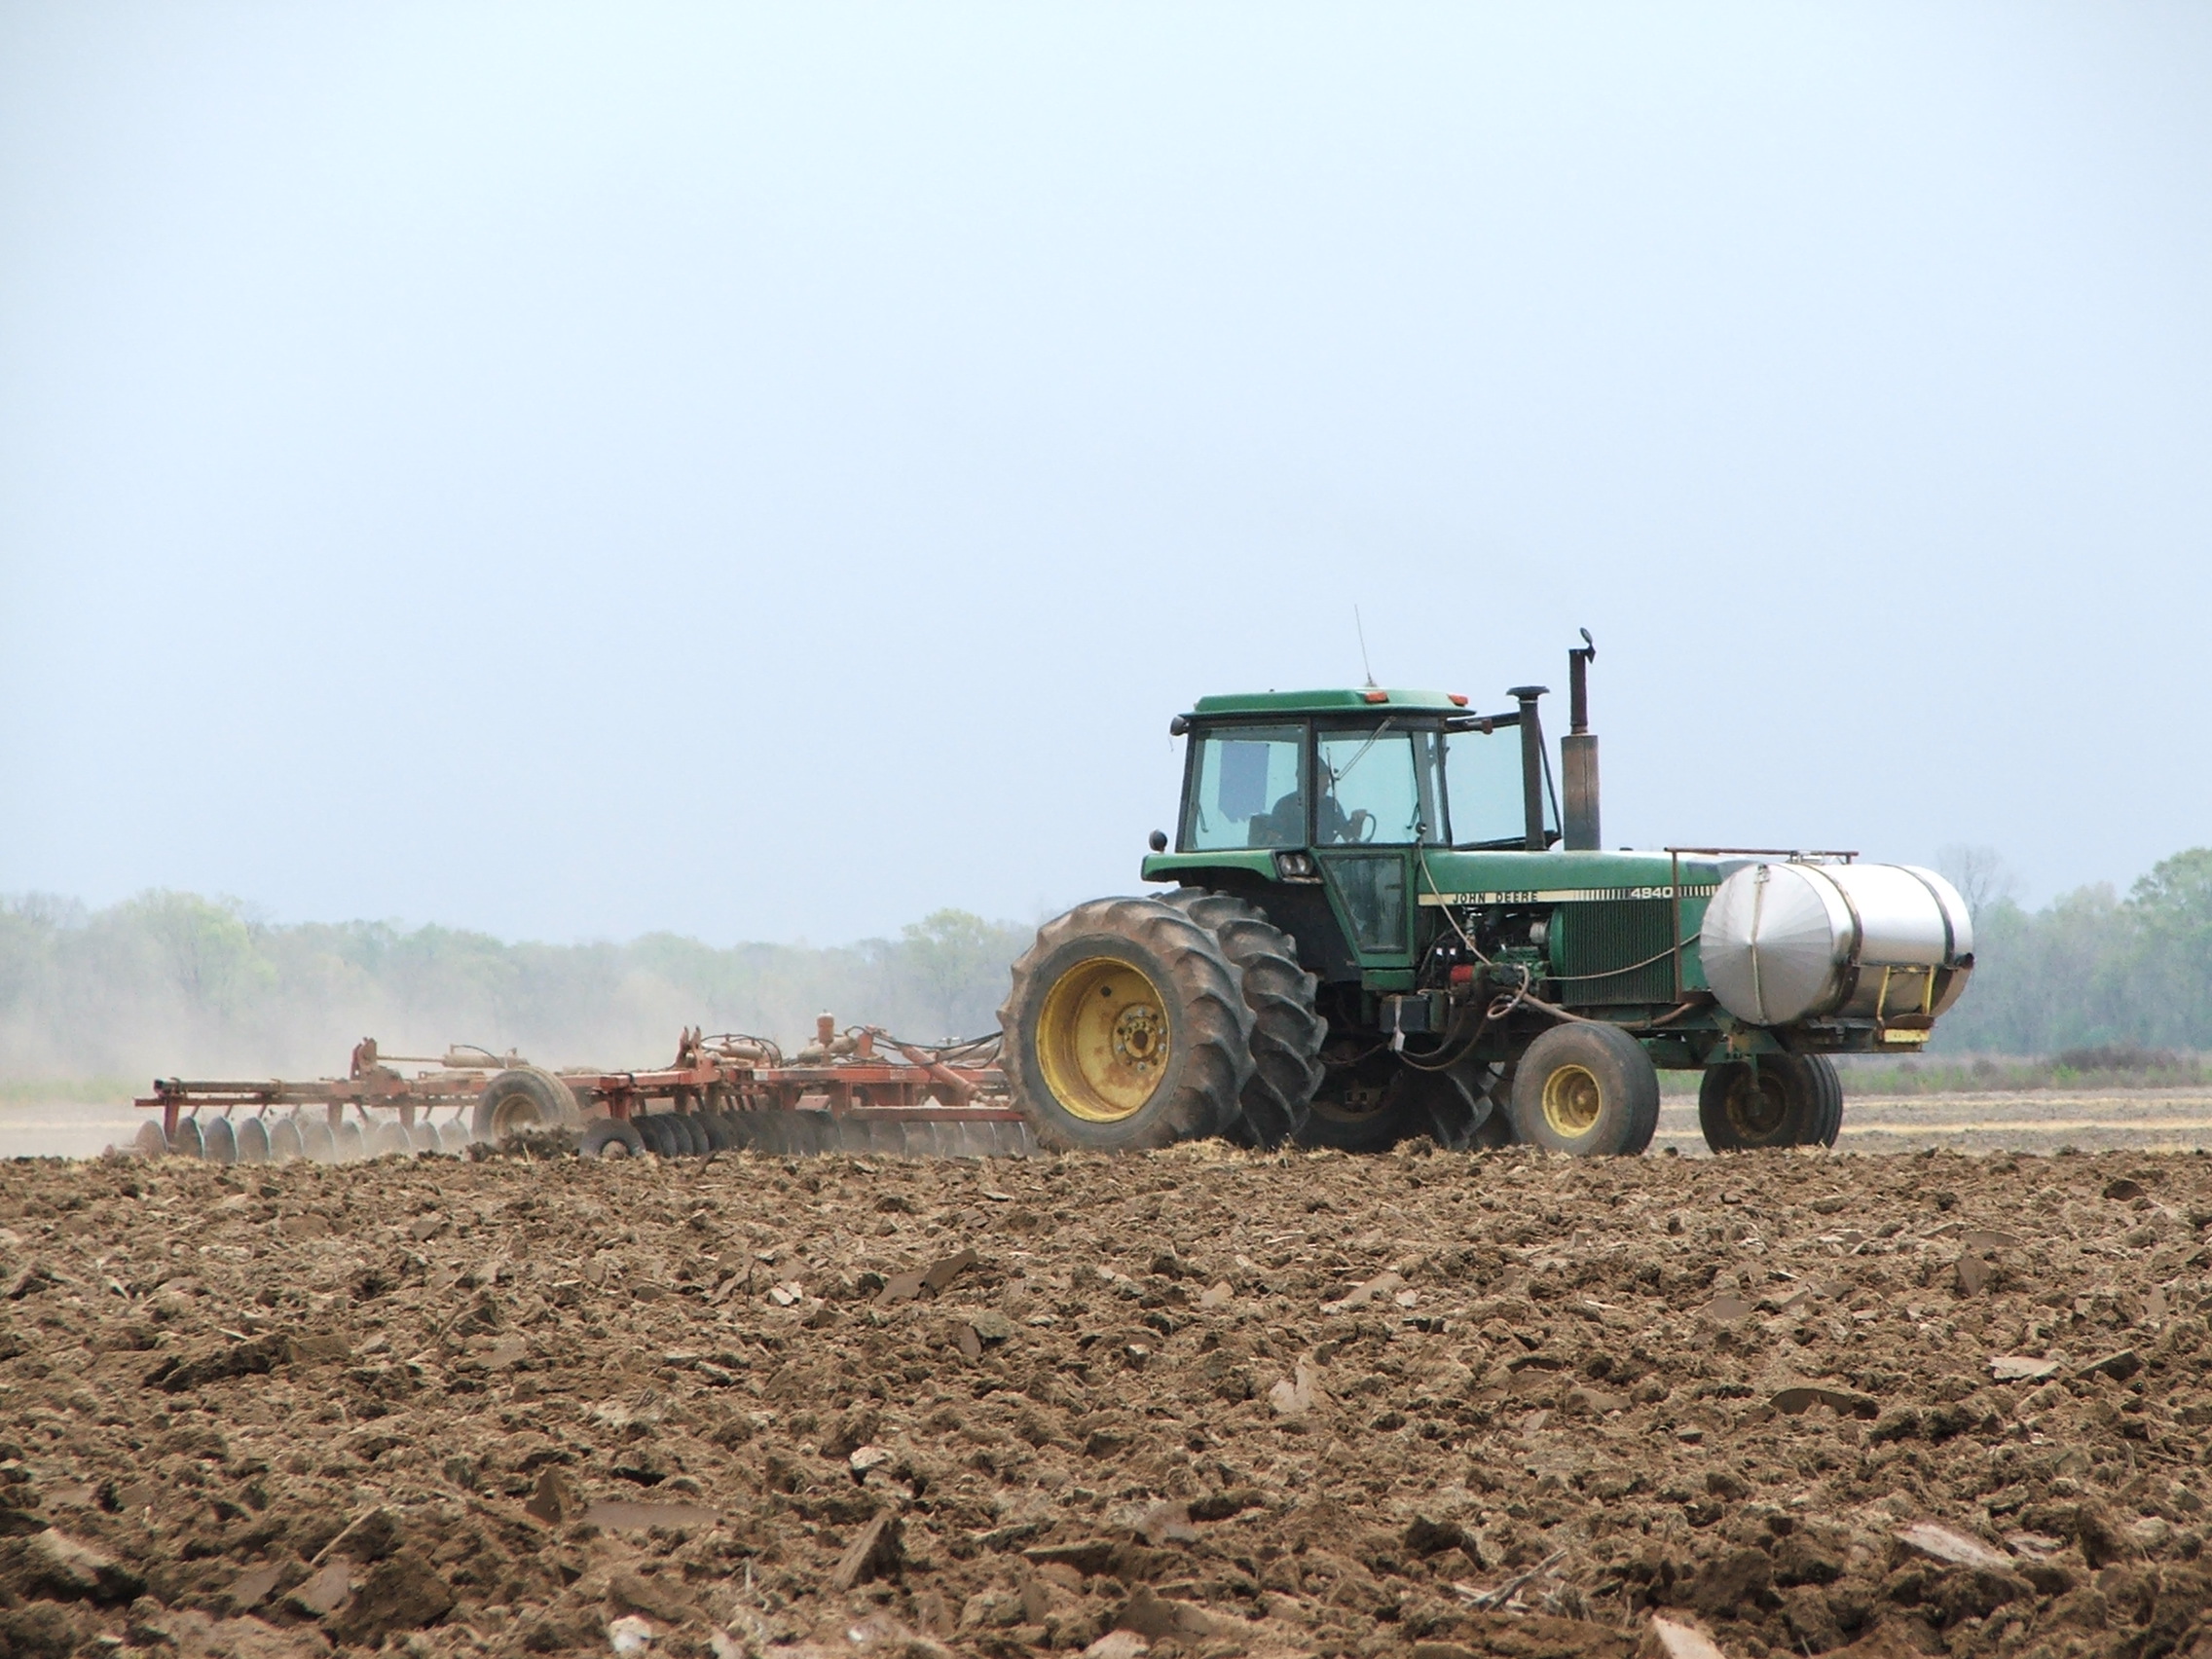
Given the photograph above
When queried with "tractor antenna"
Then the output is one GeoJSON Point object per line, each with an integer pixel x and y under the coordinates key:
{"type": "Point", "coordinates": [1362, 627]}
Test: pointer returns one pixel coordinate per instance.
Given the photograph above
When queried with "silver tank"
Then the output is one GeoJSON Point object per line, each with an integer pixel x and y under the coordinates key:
{"type": "Point", "coordinates": [1789, 942]}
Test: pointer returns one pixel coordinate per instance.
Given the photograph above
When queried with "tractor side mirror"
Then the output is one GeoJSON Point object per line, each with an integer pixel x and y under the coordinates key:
{"type": "Point", "coordinates": [1156, 840]}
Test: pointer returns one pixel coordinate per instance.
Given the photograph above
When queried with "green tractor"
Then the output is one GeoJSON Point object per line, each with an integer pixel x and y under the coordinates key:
{"type": "Point", "coordinates": [1381, 925]}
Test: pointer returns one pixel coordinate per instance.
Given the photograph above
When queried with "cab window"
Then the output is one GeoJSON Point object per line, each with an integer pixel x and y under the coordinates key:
{"type": "Point", "coordinates": [1482, 775]}
{"type": "Point", "coordinates": [1246, 790]}
{"type": "Point", "coordinates": [1378, 786]}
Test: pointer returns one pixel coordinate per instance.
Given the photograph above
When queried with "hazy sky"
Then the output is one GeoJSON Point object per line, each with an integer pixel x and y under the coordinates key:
{"type": "Point", "coordinates": [768, 473]}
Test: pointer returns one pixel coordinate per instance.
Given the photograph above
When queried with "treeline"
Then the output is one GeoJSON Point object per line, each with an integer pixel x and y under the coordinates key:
{"type": "Point", "coordinates": [172, 984]}
{"type": "Point", "coordinates": [2090, 972]}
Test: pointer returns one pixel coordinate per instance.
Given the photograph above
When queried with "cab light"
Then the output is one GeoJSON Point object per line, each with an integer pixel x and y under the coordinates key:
{"type": "Point", "coordinates": [1459, 699]}
{"type": "Point", "coordinates": [1376, 696]}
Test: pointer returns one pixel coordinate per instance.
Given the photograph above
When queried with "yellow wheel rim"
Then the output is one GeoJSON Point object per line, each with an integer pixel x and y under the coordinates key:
{"type": "Point", "coordinates": [1572, 1101]}
{"type": "Point", "coordinates": [1102, 1039]}
{"type": "Point", "coordinates": [1756, 1105]}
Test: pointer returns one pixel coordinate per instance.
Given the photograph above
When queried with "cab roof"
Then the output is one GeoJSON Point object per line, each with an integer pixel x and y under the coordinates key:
{"type": "Point", "coordinates": [1363, 700]}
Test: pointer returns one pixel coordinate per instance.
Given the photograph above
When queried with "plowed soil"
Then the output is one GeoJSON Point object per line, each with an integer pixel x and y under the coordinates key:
{"type": "Point", "coordinates": [1224, 1404]}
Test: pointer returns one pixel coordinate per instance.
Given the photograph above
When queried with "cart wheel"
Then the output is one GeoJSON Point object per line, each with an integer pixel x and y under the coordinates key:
{"type": "Point", "coordinates": [252, 1138]}
{"type": "Point", "coordinates": [218, 1143]}
{"type": "Point", "coordinates": [612, 1137]}
{"type": "Point", "coordinates": [424, 1136]}
{"type": "Point", "coordinates": [285, 1141]}
{"type": "Point", "coordinates": [350, 1143]}
{"type": "Point", "coordinates": [523, 1098]}
{"type": "Point", "coordinates": [152, 1142]}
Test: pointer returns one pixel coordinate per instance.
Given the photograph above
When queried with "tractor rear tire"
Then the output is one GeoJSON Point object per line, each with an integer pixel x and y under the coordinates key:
{"type": "Point", "coordinates": [1586, 1090]}
{"type": "Point", "coordinates": [524, 1099]}
{"type": "Point", "coordinates": [1287, 1031]}
{"type": "Point", "coordinates": [612, 1137]}
{"type": "Point", "coordinates": [1778, 1101]}
{"type": "Point", "coordinates": [1126, 1028]}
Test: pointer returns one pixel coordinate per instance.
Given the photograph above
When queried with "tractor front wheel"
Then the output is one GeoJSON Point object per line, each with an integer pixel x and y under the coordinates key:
{"type": "Point", "coordinates": [1126, 1028]}
{"type": "Point", "coordinates": [1773, 1101]}
{"type": "Point", "coordinates": [1586, 1090]}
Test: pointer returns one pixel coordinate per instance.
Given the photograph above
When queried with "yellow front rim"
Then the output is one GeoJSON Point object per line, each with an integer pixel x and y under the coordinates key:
{"type": "Point", "coordinates": [1102, 1039]}
{"type": "Point", "coordinates": [1572, 1101]}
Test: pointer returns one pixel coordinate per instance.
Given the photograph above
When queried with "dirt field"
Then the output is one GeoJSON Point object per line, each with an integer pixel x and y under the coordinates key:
{"type": "Point", "coordinates": [1230, 1405]}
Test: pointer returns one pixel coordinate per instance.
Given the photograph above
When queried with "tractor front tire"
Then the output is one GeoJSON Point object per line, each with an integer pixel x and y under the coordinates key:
{"type": "Point", "coordinates": [1586, 1090]}
{"type": "Point", "coordinates": [1126, 1028]}
{"type": "Point", "coordinates": [1778, 1101]}
{"type": "Point", "coordinates": [1287, 1031]}
{"type": "Point", "coordinates": [523, 1098]}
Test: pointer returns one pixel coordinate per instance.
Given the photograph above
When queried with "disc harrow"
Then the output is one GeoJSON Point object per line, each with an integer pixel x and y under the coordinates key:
{"type": "Point", "coordinates": [852, 1092]}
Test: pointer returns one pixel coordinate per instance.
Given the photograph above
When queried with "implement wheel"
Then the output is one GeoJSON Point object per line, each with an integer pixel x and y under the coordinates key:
{"type": "Point", "coordinates": [1586, 1090]}
{"type": "Point", "coordinates": [1126, 1028]}
{"type": "Point", "coordinates": [1774, 1100]}
{"type": "Point", "coordinates": [1286, 1029]}
{"type": "Point", "coordinates": [521, 1099]}
{"type": "Point", "coordinates": [612, 1137]}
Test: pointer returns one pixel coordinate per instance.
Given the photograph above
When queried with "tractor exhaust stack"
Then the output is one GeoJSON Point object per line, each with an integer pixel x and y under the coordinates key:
{"type": "Point", "coordinates": [1578, 753]}
{"type": "Point", "coordinates": [1531, 765]}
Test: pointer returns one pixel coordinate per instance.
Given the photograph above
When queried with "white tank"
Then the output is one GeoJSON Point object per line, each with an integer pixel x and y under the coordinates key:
{"type": "Point", "coordinates": [1789, 942]}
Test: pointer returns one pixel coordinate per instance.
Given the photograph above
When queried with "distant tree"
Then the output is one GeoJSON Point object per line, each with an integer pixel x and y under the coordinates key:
{"type": "Point", "coordinates": [1979, 874]}
{"type": "Point", "coordinates": [949, 957]}
{"type": "Point", "coordinates": [2172, 983]}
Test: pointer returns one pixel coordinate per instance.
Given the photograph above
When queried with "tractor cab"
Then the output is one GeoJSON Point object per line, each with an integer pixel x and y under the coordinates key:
{"type": "Point", "coordinates": [1336, 800]}
{"type": "Point", "coordinates": [1316, 770]}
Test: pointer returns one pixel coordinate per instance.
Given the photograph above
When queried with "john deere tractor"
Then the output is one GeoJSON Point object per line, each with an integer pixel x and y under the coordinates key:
{"type": "Point", "coordinates": [1381, 924]}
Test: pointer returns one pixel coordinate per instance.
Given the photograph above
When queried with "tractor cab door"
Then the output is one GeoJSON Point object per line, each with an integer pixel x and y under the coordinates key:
{"type": "Point", "coordinates": [1375, 800]}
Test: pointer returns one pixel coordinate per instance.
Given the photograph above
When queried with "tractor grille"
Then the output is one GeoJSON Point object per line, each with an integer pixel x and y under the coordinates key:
{"type": "Point", "coordinates": [1597, 937]}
